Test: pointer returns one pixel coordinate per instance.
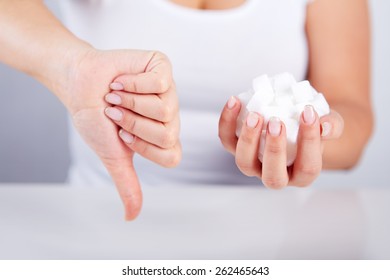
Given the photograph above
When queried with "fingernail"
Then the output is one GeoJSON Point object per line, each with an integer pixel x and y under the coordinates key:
{"type": "Point", "coordinates": [231, 102]}
{"type": "Point", "coordinates": [252, 120]}
{"type": "Point", "coordinates": [116, 86]}
{"type": "Point", "coordinates": [113, 99]}
{"type": "Point", "coordinates": [274, 126]}
{"type": "Point", "coordinates": [113, 113]}
{"type": "Point", "coordinates": [308, 114]}
{"type": "Point", "coordinates": [326, 128]}
{"type": "Point", "coordinates": [126, 137]}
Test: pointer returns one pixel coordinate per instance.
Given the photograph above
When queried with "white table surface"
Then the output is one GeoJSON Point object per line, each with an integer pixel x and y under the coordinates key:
{"type": "Point", "coordinates": [194, 222]}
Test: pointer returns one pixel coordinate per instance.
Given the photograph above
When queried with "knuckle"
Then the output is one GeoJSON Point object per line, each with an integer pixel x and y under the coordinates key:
{"type": "Point", "coordinates": [162, 84]}
{"type": "Point", "coordinates": [310, 135]}
{"type": "Point", "coordinates": [302, 184]}
{"type": "Point", "coordinates": [141, 147]}
{"type": "Point", "coordinates": [228, 144]}
{"type": "Point", "coordinates": [246, 168]}
{"type": "Point", "coordinates": [159, 55]}
{"type": "Point", "coordinates": [229, 147]}
{"type": "Point", "coordinates": [223, 138]}
{"type": "Point", "coordinates": [274, 183]}
{"type": "Point", "coordinates": [166, 113]}
{"type": "Point", "coordinates": [247, 138]}
{"type": "Point", "coordinates": [132, 85]}
{"type": "Point", "coordinates": [130, 102]}
{"type": "Point", "coordinates": [312, 170]}
{"type": "Point", "coordinates": [169, 139]}
{"type": "Point", "coordinates": [173, 159]}
{"type": "Point", "coordinates": [225, 121]}
{"type": "Point", "coordinates": [274, 148]}
{"type": "Point", "coordinates": [130, 124]}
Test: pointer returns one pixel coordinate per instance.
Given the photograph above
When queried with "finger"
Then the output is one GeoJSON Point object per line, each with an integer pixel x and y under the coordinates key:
{"type": "Point", "coordinates": [274, 166]}
{"type": "Point", "coordinates": [126, 181]}
{"type": "Point", "coordinates": [308, 163]}
{"type": "Point", "coordinates": [332, 126]}
{"type": "Point", "coordinates": [247, 152]}
{"type": "Point", "coordinates": [164, 157]}
{"type": "Point", "coordinates": [227, 124]}
{"type": "Point", "coordinates": [163, 108]}
{"type": "Point", "coordinates": [157, 133]}
{"type": "Point", "coordinates": [157, 77]}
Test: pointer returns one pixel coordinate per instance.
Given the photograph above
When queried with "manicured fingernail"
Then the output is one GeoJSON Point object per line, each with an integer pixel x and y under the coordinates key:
{"type": "Point", "coordinates": [326, 128]}
{"type": "Point", "coordinates": [116, 86]}
{"type": "Point", "coordinates": [308, 114]}
{"type": "Point", "coordinates": [232, 101]}
{"type": "Point", "coordinates": [274, 126]}
{"type": "Point", "coordinates": [126, 137]}
{"type": "Point", "coordinates": [113, 99]}
{"type": "Point", "coordinates": [114, 113]}
{"type": "Point", "coordinates": [252, 120]}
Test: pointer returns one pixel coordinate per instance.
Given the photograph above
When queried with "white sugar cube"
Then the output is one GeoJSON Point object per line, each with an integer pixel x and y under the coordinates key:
{"type": "Point", "coordinates": [286, 102]}
{"type": "Point", "coordinates": [262, 83]}
{"type": "Point", "coordinates": [280, 96]}
{"type": "Point", "coordinates": [320, 105]}
{"type": "Point", "coordinates": [318, 102]}
{"type": "Point", "coordinates": [273, 111]}
{"type": "Point", "coordinates": [302, 92]}
{"type": "Point", "coordinates": [282, 82]}
{"type": "Point", "coordinates": [292, 128]}
{"type": "Point", "coordinates": [291, 152]}
{"type": "Point", "coordinates": [258, 100]}
{"type": "Point", "coordinates": [244, 99]}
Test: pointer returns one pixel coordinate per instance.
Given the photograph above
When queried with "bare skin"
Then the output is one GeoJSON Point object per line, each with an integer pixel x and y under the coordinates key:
{"type": "Point", "coordinates": [81, 76]}
{"type": "Point", "coordinates": [209, 4]}
{"type": "Point", "coordinates": [32, 40]}
{"type": "Point", "coordinates": [340, 70]}
{"type": "Point", "coordinates": [339, 66]}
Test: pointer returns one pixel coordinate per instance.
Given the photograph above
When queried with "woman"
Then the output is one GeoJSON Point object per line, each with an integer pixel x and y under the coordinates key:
{"type": "Point", "coordinates": [216, 48]}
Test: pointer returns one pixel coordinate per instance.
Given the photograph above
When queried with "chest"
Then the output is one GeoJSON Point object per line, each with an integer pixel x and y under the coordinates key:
{"type": "Point", "coordinates": [214, 53]}
{"type": "Point", "coordinates": [209, 4]}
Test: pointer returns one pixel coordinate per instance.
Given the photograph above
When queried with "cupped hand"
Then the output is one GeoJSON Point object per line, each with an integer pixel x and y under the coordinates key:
{"type": "Point", "coordinates": [273, 170]}
{"type": "Point", "coordinates": [89, 82]}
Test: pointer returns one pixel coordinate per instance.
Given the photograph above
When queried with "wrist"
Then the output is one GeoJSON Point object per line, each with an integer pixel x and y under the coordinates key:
{"type": "Point", "coordinates": [61, 68]}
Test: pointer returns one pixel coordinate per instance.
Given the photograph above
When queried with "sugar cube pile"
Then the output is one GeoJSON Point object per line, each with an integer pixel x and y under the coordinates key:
{"type": "Point", "coordinates": [283, 97]}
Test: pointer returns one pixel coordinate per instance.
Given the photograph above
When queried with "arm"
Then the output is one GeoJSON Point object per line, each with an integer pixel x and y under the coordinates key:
{"type": "Point", "coordinates": [338, 39]}
{"type": "Point", "coordinates": [339, 66]}
{"type": "Point", "coordinates": [35, 42]}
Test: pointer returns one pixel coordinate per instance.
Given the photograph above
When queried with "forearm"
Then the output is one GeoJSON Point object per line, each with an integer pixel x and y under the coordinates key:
{"type": "Point", "coordinates": [345, 152]}
{"type": "Point", "coordinates": [338, 34]}
{"type": "Point", "coordinates": [32, 40]}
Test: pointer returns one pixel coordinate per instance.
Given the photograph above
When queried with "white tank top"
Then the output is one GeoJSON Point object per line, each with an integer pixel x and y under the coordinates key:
{"type": "Point", "coordinates": [215, 54]}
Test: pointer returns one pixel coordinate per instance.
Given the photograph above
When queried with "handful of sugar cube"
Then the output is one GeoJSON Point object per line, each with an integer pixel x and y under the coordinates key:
{"type": "Point", "coordinates": [282, 97]}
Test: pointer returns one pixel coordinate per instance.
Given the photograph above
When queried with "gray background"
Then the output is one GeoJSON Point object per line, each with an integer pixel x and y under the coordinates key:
{"type": "Point", "coordinates": [33, 123]}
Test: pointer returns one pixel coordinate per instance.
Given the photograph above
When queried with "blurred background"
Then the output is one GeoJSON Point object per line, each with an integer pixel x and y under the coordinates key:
{"type": "Point", "coordinates": [33, 123]}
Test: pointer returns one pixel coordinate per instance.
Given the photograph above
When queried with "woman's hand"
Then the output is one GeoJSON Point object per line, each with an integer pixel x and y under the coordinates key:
{"type": "Point", "coordinates": [274, 171]}
{"type": "Point", "coordinates": [148, 75]}
{"type": "Point", "coordinates": [150, 122]}
{"type": "Point", "coordinates": [80, 77]}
